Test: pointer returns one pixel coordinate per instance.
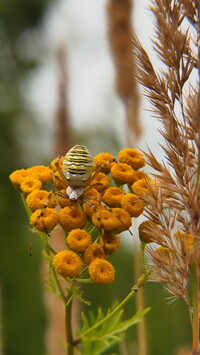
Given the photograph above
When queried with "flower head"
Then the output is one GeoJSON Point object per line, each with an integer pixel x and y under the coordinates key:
{"type": "Point", "coordinates": [93, 197]}
{"type": "Point", "coordinates": [30, 184]}
{"type": "Point", "coordinates": [145, 231]}
{"type": "Point", "coordinates": [53, 165]}
{"type": "Point", "coordinates": [105, 219]}
{"type": "Point", "coordinates": [110, 242]}
{"type": "Point", "coordinates": [45, 221]}
{"type": "Point", "coordinates": [102, 181]}
{"type": "Point", "coordinates": [139, 174]}
{"type": "Point", "coordinates": [65, 201]}
{"type": "Point", "coordinates": [92, 252]}
{"type": "Point", "coordinates": [58, 181]}
{"type": "Point", "coordinates": [72, 218]}
{"type": "Point", "coordinates": [132, 204]}
{"type": "Point", "coordinates": [67, 263]}
{"type": "Point", "coordinates": [123, 219]}
{"type": "Point", "coordinates": [104, 159]}
{"type": "Point", "coordinates": [18, 176]}
{"type": "Point", "coordinates": [186, 238]}
{"type": "Point", "coordinates": [131, 157]}
{"type": "Point", "coordinates": [140, 187]}
{"type": "Point", "coordinates": [122, 173]}
{"type": "Point", "coordinates": [113, 196]}
{"type": "Point", "coordinates": [36, 199]}
{"type": "Point", "coordinates": [43, 173]}
{"type": "Point", "coordinates": [78, 239]}
{"type": "Point", "coordinates": [101, 271]}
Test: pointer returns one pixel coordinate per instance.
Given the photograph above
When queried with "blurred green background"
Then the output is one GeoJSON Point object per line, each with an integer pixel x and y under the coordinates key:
{"type": "Point", "coordinates": [24, 317]}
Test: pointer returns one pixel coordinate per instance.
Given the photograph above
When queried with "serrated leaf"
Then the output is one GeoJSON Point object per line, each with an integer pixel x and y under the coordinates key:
{"type": "Point", "coordinates": [105, 330]}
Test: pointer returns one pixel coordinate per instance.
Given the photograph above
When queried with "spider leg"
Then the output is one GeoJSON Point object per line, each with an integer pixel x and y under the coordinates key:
{"type": "Point", "coordinates": [57, 164]}
{"type": "Point", "coordinates": [51, 197]}
{"type": "Point", "coordinates": [92, 186]}
{"type": "Point", "coordinates": [109, 209]}
{"type": "Point", "coordinates": [98, 171]}
{"type": "Point", "coordinates": [96, 212]}
{"type": "Point", "coordinates": [59, 180]}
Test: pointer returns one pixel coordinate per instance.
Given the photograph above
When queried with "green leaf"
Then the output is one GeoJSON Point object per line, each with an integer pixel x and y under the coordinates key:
{"type": "Point", "coordinates": [109, 331]}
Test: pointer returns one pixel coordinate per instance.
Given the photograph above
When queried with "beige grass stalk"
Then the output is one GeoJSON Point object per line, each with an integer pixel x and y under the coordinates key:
{"type": "Point", "coordinates": [63, 142]}
{"type": "Point", "coordinates": [120, 31]}
{"type": "Point", "coordinates": [174, 202]}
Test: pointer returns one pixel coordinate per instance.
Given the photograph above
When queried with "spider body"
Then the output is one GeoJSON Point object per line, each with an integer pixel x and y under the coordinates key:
{"type": "Point", "coordinates": [77, 166]}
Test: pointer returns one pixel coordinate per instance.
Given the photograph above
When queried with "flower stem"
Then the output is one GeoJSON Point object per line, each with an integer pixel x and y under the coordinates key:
{"type": "Point", "coordinates": [68, 325]}
{"type": "Point", "coordinates": [196, 295]}
{"type": "Point", "coordinates": [134, 290]}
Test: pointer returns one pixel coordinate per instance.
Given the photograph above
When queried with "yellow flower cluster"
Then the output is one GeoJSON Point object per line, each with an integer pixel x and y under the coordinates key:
{"type": "Point", "coordinates": [105, 208]}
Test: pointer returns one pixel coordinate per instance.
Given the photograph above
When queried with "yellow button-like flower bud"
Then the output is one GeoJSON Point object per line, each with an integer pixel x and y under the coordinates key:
{"type": "Point", "coordinates": [45, 220]}
{"type": "Point", "coordinates": [72, 218]}
{"type": "Point", "coordinates": [131, 157]}
{"type": "Point", "coordinates": [132, 204]}
{"type": "Point", "coordinates": [92, 252]}
{"type": "Point", "coordinates": [42, 172]}
{"type": "Point", "coordinates": [146, 231]}
{"type": "Point", "coordinates": [113, 196]}
{"type": "Point", "coordinates": [78, 239]}
{"type": "Point", "coordinates": [30, 184]}
{"type": "Point", "coordinates": [104, 159]}
{"type": "Point", "coordinates": [67, 263]}
{"type": "Point", "coordinates": [122, 173]}
{"type": "Point", "coordinates": [101, 271]}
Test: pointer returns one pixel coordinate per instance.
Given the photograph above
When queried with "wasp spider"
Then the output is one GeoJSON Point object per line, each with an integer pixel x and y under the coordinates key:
{"type": "Point", "coordinates": [76, 178]}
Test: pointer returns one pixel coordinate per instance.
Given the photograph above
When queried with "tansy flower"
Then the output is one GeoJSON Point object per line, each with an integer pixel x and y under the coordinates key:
{"type": "Point", "coordinates": [93, 196]}
{"type": "Point", "coordinates": [101, 271]}
{"type": "Point", "coordinates": [113, 196]}
{"type": "Point", "coordinates": [42, 172]}
{"type": "Point", "coordinates": [92, 252]}
{"type": "Point", "coordinates": [46, 221]}
{"type": "Point", "coordinates": [18, 176]}
{"type": "Point", "coordinates": [102, 181]}
{"type": "Point", "coordinates": [105, 219]}
{"type": "Point", "coordinates": [78, 240]}
{"type": "Point", "coordinates": [163, 252]}
{"type": "Point", "coordinates": [186, 238]}
{"type": "Point", "coordinates": [123, 220]}
{"type": "Point", "coordinates": [72, 218]}
{"type": "Point", "coordinates": [131, 157]}
{"type": "Point", "coordinates": [186, 242]}
{"type": "Point", "coordinates": [58, 181]}
{"type": "Point", "coordinates": [110, 242]}
{"type": "Point", "coordinates": [104, 158]}
{"type": "Point", "coordinates": [132, 204]}
{"type": "Point", "coordinates": [67, 263]}
{"type": "Point", "coordinates": [30, 184]}
{"type": "Point", "coordinates": [60, 161]}
{"type": "Point", "coordinates": [65, 201]}
{"type": "Point", "coordinates": [140, 187]}
{"type": "Point", "coordinates": [146, 229]}
{"type": "Point", "coordinates": [138, 175]}
{"type": "Point", "coordinates": [36, 199]}
{"type": "Point", "coordinates": [122, 173]}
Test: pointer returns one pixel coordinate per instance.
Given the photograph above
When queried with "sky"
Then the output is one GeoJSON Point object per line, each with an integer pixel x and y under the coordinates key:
{"type": "Point", "coordinates": [81, 26]}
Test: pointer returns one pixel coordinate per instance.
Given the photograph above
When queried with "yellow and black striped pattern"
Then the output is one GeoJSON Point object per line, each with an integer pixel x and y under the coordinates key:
{"type": "Point", "coordinates": [77, 165]}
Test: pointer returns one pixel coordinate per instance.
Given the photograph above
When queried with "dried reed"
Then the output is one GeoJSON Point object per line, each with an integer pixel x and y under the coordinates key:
{"type": "Point", "coordinates": [174, 201]}
{"type": "Point", "coordinates": [120, 31]}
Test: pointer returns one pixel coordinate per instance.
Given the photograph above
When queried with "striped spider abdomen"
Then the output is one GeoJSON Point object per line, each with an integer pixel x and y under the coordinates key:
{"type": "Point", "coordinates": [77, 165]}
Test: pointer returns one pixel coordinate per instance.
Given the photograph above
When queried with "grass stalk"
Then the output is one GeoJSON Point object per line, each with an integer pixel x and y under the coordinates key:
{"type": "Point", "coordinates": [196, 299]}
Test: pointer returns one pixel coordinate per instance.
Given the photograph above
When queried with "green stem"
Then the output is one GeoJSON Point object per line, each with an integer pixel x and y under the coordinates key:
{"type": "Point", "coordinates": [134, 290]}
{"type": "Point", "coordinates": [68, 326]}
{"type": "Point", "coordinates": [195, 326]}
